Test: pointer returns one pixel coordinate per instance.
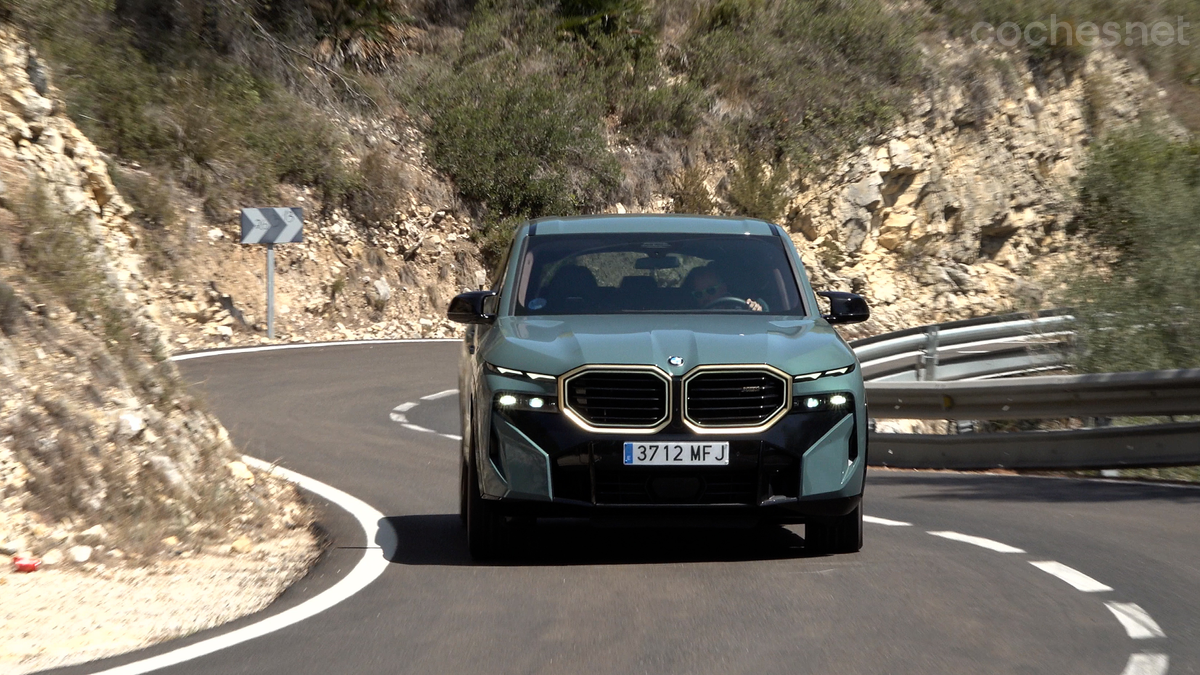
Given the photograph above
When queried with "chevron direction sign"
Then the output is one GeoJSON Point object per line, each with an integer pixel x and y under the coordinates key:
{"type": "Point", "coordinates": [272, 225]}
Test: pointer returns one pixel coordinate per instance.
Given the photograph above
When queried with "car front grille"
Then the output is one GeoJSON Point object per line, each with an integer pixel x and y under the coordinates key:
{"type": "Point", "coordinates": [734, 398]}
{"type": "Point", "coordinates": [618, 398]}
{"type": "Point", "coordinates": [670, 485]}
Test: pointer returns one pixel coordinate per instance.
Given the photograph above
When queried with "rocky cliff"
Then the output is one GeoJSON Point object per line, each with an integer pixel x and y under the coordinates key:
{"type": "Point", "coordinates": [101, 446]}
{"type": "Point", "coordinates": [963, 208]}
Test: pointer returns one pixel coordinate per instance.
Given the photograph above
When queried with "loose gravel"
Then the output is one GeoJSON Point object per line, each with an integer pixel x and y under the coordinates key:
{"type": "Point", "coordinates": [71, 614]}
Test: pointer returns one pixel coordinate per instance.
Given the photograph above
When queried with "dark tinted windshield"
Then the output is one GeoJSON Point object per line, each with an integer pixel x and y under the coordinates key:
{"type": "Point", "coordinates": [692, 273]}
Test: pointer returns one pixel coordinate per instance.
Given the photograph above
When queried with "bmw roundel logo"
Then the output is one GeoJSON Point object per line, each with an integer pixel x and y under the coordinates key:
{"type": "Point", "coordinates": [675, 361]}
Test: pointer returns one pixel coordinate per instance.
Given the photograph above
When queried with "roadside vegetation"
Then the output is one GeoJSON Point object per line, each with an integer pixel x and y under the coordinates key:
{"type": "Point", "coordinates": [1138, 308]}
{"type": "Point", "coordinates": [1175, 65]}
{"type": "Point", "coordinates": [525, 105]}
{"type": "Point", "coordinates": [522, 102]}
{"type": "Point", "coordinates": [524, 109]}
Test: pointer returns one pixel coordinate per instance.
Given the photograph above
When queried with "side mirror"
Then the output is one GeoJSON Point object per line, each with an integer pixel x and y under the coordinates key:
{"type": "Point", "coordinates": [469, 307]}
{"type": "Point", "coordinates": [845, 307]}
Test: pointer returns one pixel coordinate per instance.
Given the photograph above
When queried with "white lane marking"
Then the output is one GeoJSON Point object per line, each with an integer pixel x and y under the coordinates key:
{"type": "Point", "coordinates": [398, 415]}
{"type": "Point", "coordinates": [302, 345]}
{"type": "Point", "coordinates": [884, 521]}
{"type": "Point", "coordinates": [440, 394]}
{"type": "Point", "coordinates": [372, 564]}
{"type": "Point", "coordinates": [1146, 664]}
{"type": "Point", "coordinates": [978, 541]}
{"type": "Point", "coordinates": [1071, 575]}
{"type": "Point", "coordinates": [1136, 621]}
{"type": "Point", "coordinates": [452, 437]}
{"type": "Point", "coordinates": [414, 427]}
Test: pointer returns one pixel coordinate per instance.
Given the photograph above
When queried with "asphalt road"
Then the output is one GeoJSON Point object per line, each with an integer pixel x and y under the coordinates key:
{"type": "Point", "coordinates": [591, 600]}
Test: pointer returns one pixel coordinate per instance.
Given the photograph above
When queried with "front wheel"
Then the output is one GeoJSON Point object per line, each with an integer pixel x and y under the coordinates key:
{"type": "Point", "coordinates": [486, 531]}
{"type": "Point", "coordinates": [836, 534]}
{"type": "Point", "coordinates": [463, 486]}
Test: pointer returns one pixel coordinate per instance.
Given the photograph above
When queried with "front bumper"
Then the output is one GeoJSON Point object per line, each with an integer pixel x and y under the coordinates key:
{"type": "Point", "coordinates": [807, 464]}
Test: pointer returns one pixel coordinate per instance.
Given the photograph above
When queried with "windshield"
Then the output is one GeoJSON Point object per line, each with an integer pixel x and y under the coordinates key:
{"type": "Point", "coordinates": [648, 272]}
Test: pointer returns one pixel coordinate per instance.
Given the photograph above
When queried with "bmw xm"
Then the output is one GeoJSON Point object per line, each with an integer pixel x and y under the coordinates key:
{"type": "Point", "coordinates": [650, 367]}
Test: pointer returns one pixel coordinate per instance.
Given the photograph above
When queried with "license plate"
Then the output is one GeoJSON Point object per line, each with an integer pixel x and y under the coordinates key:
{"type": "Point", "coordinates": [677, 454]}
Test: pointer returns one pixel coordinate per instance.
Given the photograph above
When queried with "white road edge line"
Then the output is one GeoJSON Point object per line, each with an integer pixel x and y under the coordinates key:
{"type": "Point", "coordinates": [414, 427]}
{"type": "Point", "coordinates": [978, 541]}
{"type": "Point", "coordinates": [440, 394]}
{"type": "Point", "coordinates": [1136, 621]}
{"type": "Point", "coordinates": [301, 345]}
{"type": "Point", "coordinates": [372, 564]}
{"type": "Point", "coordinates": [1146, 664]}
{"type": "Point", "coordinates": [884, 521]}
{"type": "Point", "coordinates": [1071, 575]}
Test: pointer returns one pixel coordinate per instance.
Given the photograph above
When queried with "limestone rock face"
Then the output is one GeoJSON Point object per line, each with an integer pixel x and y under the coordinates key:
{"type": "Point", "coordinates": [950, 213]}
{"type": "Point", "coordinates": [98, 441]}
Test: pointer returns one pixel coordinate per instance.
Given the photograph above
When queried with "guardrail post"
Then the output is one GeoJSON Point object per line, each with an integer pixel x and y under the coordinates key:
{"type": "Point", "coordinates": [927, 362]}
{"type": "Point", "coordinates": [270, 291]}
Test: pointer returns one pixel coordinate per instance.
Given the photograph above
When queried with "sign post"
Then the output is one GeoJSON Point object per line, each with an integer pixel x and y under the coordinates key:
{"type": "Point", "coordinates": [272, 226]}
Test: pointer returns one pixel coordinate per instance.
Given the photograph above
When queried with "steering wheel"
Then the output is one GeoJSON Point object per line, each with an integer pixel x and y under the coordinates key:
{"type": "Point", "coordinates": [738, 303]}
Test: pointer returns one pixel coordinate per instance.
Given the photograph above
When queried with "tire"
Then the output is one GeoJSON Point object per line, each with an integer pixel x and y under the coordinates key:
{"type": "Point", "coordinates": [837, 534]}
{"type": "Point", "coordinates": [486, 530]}
{"type": "Point", "coordinates": [464, 477]}
{"type": "Point", "coordinates": [463, 482]}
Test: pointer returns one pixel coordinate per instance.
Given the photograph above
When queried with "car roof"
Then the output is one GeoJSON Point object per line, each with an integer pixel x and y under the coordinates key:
{"type": "Point", "coordinates": [649, 222]}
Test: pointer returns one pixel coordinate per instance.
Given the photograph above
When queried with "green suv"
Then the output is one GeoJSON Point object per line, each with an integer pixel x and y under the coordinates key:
{"type": "Point", "coordinates": [657, 368]}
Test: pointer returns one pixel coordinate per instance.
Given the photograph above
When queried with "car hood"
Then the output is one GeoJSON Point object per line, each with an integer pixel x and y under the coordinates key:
{"type": "Point", "coordinates": [555, 345]}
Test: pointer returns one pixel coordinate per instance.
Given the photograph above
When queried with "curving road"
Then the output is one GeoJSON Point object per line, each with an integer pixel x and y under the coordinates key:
{"type": "Point", "coordinates": [1115, 588]}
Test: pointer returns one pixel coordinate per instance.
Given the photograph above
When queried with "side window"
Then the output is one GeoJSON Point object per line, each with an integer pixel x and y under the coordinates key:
{"type": "Point", "coordinates": [497, 279]}
{"type": "Point", "coordinates": [496, 283]}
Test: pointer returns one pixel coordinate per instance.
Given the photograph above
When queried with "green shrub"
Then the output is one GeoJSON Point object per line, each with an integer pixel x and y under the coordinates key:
{"type": "Point", "coordinates": [690, 193]}
{"type": "Point", "coordinates": [1177, 62]}
{"type": "Point", "coordinates": [10, 310]}
{"type": "Point", "coordinates": [1140, 202]}
{"type": "Point", "coordinates": [805, 77]}
{"type": "Point", "coordinates": [346, 20]}
{"type": "Point", "coordinates": [384, 184]}
{"type": "Point", "coordinates": [522, 145]}
{"type": "Point", "coordinates": [110, 91]}
{"type": "Point", "coordinates": [756, 190]}
{"type": "Point", "coordinates": [230, 134]}
{"type": "Point", "coordinates": [153, 206]}
{"type": "Point", "coordinates": [55, 249]}
{"type": "Point", "coordinates": [495, 238]}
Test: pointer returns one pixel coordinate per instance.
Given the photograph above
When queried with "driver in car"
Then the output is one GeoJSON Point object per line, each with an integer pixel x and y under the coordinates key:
{"type": "Point", "coordinates": [710, 290]}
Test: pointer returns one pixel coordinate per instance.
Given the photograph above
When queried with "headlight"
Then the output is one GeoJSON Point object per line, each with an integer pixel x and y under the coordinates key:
{"type": "Point", "coordinates": [525, 402]}
{"type": "Point", "coordinates": [809, 377]}
{"type": "Point", "coordinates": [822, 402]}
{"type": "Point", "coordinates": [512, 372]}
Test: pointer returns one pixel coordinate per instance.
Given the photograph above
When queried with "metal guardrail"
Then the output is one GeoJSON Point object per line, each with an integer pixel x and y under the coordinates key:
{"type": "Point", "coordinates": [1106, 448]}
{"type": "Point", "coordinates": [1153, 393]}
{"type": "Point", "coordinates": [948, 372]}
{"type": "Point", "coordinates": [972, 349]}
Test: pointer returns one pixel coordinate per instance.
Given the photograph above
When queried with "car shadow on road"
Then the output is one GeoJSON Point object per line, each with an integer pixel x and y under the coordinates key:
{"type": "Point", "coordinates": [441, 540]}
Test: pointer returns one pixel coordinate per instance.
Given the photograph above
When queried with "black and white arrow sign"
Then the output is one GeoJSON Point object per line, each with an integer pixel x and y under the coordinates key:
{"type": "Point", "coordinates": [272, 225]}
